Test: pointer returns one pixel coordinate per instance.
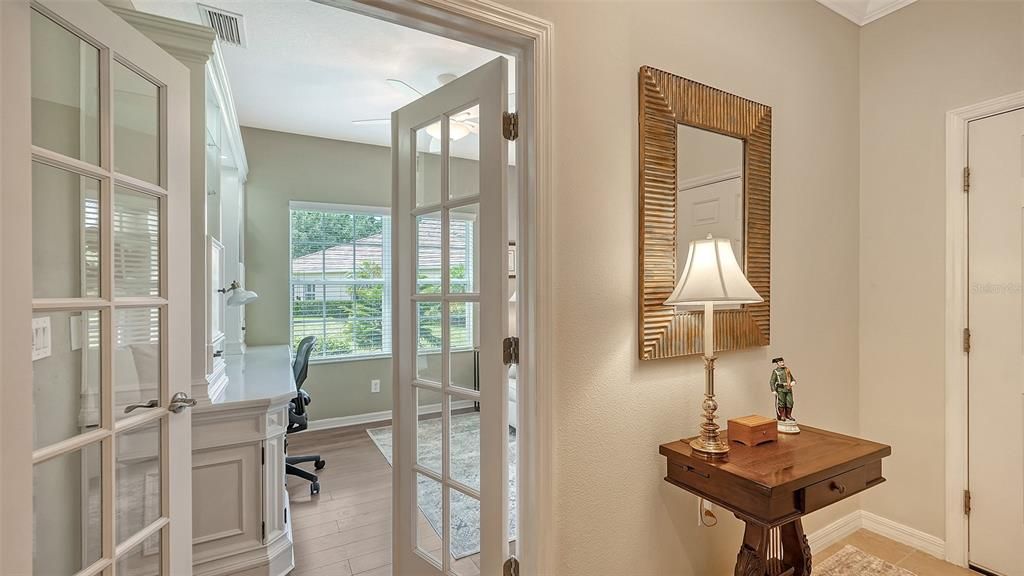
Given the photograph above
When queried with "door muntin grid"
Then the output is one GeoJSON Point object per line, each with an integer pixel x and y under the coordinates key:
{"type": "Point", "coordinates": [104, 314]}
{"type": "Point", "coordinates": [431, 243]}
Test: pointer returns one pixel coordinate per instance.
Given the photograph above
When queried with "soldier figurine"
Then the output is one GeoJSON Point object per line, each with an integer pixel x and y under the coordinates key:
{"type": "Point", "coordinates": [781, 384]}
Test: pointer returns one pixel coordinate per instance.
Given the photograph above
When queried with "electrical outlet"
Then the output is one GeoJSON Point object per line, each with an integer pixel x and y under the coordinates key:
{"type": "Point", "coordinates": [374, 386]}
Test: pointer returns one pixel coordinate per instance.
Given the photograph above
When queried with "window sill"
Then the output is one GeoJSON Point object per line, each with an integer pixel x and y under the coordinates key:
{"type": "Point", "coordinates": [383, 356]}
{"type": "Point", "coordinates": [344, 359]}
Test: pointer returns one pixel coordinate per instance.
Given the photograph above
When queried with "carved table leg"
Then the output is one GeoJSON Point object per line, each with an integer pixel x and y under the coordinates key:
{"type": "Point", "coordinates": [795, 549]}
{"type": "Point", "coordinates": [753, 557]}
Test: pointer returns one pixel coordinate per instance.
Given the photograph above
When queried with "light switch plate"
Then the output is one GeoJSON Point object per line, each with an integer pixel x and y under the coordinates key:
{"type": "Point", "coordinates": [374, 386]}
{"type": "Point", "coordinates": [41, 337]}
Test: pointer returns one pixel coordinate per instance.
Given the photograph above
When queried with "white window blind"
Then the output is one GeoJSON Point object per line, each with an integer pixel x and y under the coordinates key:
{"type": "Point", "coordinates": [341, 280]}
{"type": "Point", "coordinates": [136, 233]}
{"type": "Point", "coordinates": [136, 230]}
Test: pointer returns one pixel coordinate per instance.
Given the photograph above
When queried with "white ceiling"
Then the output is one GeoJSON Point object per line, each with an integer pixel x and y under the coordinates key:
{"type": "Point", "coordinates": [312, 69]}
{"type": "Point", "coordinates": [861, 12]}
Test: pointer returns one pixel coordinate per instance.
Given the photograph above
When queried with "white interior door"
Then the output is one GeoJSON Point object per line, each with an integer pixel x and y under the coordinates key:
{"type": "Point", "coordinates": [111, 445]}
{"type": "Point", "coordinates": [996, 361]}
{"type": "Point", "coordinates": [450, 272]}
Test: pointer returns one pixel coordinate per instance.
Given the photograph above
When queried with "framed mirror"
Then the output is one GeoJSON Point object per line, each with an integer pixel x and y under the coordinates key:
{"type": "Point", "coordinates": [705, 168]}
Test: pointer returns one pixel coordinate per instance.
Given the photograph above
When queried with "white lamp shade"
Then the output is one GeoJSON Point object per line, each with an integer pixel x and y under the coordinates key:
{"type": "Point", "coordinates": [711, 275]}
{"type": "Point", "coordinates": [241, 296]}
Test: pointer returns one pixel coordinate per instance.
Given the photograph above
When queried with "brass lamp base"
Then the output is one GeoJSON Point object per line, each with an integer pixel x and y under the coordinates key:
{"type": "Point", "coordinates": [709, 443]}
{"type": "Point", "coordinates": [714, 449]}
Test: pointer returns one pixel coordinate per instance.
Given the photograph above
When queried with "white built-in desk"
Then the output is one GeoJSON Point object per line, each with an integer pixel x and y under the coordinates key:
{"type": "Point", "coordinates": [240, 504]}
{"type": "Point", "coordinates": [263, 374]}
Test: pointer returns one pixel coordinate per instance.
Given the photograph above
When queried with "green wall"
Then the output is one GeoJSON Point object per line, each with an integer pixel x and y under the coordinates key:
{"type": "Point", "coordinates": [285, 167]}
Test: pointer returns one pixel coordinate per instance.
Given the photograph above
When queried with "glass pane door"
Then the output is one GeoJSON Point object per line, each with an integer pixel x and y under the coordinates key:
{"type": "Point", "coordinates": [451, 277]}
{"type": "Point", "coordinates": [101, 434]}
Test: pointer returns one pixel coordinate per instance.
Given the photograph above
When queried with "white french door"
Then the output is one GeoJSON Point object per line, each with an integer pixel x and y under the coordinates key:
{"type": "Point", "coordinates": [450, 303]}
{"type": "Point", "coordinates": [111, 460]}
{"type": "Point", "coordinates": [996, 360]}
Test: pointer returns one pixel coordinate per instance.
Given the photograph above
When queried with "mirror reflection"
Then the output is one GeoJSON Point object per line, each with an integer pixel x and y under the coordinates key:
{"type": "Point", "coordinates": [709, 170]}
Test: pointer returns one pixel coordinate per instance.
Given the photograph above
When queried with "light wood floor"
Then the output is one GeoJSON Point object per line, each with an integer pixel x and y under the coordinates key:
{"type": "Point", "coordinates": [346, 530]}
{"type": "Point", "coordinates": [920, 563]}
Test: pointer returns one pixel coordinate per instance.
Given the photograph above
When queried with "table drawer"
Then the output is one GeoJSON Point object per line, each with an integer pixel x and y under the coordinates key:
{"type": "Point", "coordinates": [829, 491]}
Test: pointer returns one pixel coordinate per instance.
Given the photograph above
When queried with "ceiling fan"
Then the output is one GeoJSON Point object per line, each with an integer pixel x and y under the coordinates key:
{"type": "Point", "coordinates": [462, 124]}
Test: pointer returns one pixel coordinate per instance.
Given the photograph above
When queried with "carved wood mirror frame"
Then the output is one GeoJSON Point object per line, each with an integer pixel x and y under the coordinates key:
{"type": "Point", "coordinates": [666, 101]}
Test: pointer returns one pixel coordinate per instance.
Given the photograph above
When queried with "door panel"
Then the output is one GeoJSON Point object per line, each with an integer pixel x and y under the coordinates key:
{"type": "Point", "coordinates": [111, 461]}
{"type": "Point", "coordinates": [450, 241]}
{"type": "Point", "coordinates": [996, 361]}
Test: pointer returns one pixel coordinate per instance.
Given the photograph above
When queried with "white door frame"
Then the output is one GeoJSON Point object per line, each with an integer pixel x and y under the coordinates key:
{"type": "Point", "coordinates": [529, 39]}
{"type": "Point", "coordinates": [956, 317]}
{"type": "Point", "coordinates": [15, 293]}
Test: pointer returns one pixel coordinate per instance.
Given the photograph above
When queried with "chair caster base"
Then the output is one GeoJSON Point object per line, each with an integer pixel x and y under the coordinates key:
{"type": "Point", "coordinates": [314, 488]}
{"type": "Point", "coordinates": [320, 464]}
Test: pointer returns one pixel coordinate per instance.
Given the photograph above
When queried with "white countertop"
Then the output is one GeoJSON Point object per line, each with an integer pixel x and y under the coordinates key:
{"type": "Point", "coordinates": [262, 373]}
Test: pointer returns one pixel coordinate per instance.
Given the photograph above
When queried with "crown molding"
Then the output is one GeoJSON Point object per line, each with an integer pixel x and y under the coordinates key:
{"type": "Point", "coordinates": [860, 12]}
{"type": "Point", "coordinates": [183, 40]}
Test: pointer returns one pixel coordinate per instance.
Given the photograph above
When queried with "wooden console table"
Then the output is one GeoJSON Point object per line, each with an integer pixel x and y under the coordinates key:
{"type": "Point", "coordinates": [771, 486]}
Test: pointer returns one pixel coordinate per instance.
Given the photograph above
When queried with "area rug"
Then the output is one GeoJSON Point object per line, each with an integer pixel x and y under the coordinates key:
{"type": "Point", "coordinates": [465, 448]}
{"type": "Point", "coordinates": [852, 561]}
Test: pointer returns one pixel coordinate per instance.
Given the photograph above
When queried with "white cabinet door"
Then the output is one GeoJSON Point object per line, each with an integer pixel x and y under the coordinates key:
{"type": "Point", "coordinates": [110, 280]}
{"type": "Point", "coordinates": [996, 362]}
{"type": "Point", "coordinates": [450, 271]}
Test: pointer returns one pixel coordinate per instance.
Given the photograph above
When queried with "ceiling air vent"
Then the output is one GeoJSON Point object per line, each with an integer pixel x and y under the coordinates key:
{"type": "Point", "coordinates": [227, 25]}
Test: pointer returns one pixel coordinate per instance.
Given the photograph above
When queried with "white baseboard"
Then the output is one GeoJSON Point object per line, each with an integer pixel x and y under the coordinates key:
{"type": "Point", "coordinates": [382, 416]}
{"type": "Point", "coordinates": [834, 532]}
{"type": "Point", "coordinates": [904, 534]}
{"type": "Point", "coordinates": [847, 525]}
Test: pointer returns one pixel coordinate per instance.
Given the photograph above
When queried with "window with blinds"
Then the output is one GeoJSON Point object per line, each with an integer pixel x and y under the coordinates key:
{"type": "Point", "coordinates": [341, 280]}
{"type": "Point", "coordinates": [136, 235]}
{"type": "Point", "coordinates": [460, 280]}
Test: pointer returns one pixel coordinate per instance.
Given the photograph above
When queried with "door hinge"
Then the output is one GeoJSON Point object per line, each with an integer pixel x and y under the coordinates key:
{"type": "Point", "coordinates": [263, 456]}
{"type": "Point", "coordinates": [263, 531]}
{"type": "Point", "coordinates": [510, 125]}
{"type": "Point", "coordinates": [967, 179]}
{"type": "Point", "coordinates": [967, 502]}
{"type": "Point", "coordinates": [510, 350]}
{"type": "Point", "coordinates": [511, 567]}
{"type": "Point", "coordinates": [967, 340]}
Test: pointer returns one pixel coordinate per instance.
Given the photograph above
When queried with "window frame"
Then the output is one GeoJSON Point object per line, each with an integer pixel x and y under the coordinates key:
{"type": "Point", "coordinates": [385, 281]}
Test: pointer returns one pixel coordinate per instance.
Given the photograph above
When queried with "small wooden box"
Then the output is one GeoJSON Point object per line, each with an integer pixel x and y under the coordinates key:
{"type": "Point", "coordinates": [753, 430]}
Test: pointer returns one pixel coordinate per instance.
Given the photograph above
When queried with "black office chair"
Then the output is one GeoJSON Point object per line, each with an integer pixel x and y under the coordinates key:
{"type": "Point", "coordinates": [297, 418]}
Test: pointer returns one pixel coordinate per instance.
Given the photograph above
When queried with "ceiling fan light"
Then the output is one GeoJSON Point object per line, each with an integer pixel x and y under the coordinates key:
{"type": "Point", "coordinates": [456, 130]}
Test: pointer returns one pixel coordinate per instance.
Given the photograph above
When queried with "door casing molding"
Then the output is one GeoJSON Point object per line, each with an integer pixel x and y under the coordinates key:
{"type": "Point", "coordinates": [957, 473]}
{"type": "Point", "coordinates": [496, 27]}
{"type": "Point", "coordinates": [15, 292]}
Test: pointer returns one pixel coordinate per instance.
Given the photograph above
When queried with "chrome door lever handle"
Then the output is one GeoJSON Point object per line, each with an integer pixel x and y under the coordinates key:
{"type": "Point", "coordinates": [150, 404]}
{"type": "Point", "coordinates": [180, 401]}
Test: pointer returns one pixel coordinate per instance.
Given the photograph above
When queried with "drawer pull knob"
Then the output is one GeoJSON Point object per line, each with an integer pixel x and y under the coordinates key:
{"type": "Point", "coordinates": [694, 470]}
{"type": "Point", "coordinates": [841, 488]}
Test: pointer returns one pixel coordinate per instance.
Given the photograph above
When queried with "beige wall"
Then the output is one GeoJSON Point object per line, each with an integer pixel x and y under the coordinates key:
{"type": "Point", "coordinates": [916, 64]}
{"type": "Point", "coordinates": [612, 410]}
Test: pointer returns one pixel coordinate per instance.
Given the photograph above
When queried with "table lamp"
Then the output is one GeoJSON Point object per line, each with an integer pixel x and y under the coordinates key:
{"type": "Point", "coordinates": [711, 276]}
